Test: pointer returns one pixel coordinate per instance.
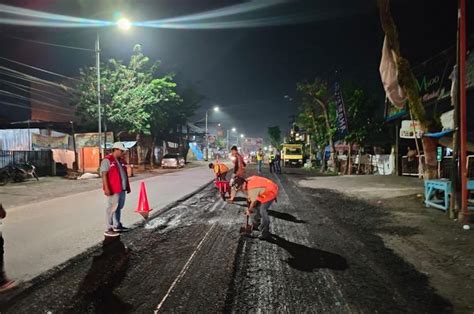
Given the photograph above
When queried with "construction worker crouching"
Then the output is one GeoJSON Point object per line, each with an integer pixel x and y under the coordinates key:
{"type": "Point", "coordinates": [220, 170]}
{"type": "Point", "coordinates": [261, 192]}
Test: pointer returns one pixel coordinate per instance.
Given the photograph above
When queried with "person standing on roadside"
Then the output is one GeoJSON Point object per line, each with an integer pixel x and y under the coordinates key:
{"type": "Point", "coordinates": [113, 170]}
{"type": "Point", "coordinates": [260, 157]}
{"type": "Point", "coordinates": [5, 283]}
{"type": "Point", "coordinates": [271, 162]}
{"type": "Point", "coordinates": [277, 162]}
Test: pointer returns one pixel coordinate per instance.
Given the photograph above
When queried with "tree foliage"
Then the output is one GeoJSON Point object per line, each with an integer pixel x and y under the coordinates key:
{"type": "Point", "coordinates": [134, 97]}
{"type": "Point", "coordinates": [361, 112]}
{"type": "Point", "coordinates": [317, 112]}
{"type": "Point", "coordinates": [274, 133]}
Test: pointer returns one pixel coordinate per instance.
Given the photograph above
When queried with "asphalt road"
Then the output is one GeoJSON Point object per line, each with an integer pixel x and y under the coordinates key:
{"type": "Point", "coordinates": [46, 233]}
{"type": "Point", "coordinates": [192, 259]}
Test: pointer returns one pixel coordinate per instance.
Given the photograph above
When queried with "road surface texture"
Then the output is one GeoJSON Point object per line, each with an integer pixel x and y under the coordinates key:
{"type": "Point", "coordinates": [44, 234]}
{"type": "Point", "coordinates": [191, 258]}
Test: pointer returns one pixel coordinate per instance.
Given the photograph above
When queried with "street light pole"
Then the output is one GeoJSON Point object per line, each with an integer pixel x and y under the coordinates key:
{"type": "Point", "coordinates": [99, 107]}
{"type": "Point", "coordinates": [207, 139]}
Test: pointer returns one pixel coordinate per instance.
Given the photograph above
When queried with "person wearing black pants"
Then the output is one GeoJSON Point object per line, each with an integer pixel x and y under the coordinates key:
{"type": "Point", "coordinates": [5, 283]}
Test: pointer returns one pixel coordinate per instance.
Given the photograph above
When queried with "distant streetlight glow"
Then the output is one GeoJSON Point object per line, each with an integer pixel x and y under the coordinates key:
{"type": "Point", "coordinates": [124, 24]}
{"type": "Point", "coordinates": [241, 135]}
{"type": "Point", "coordinates": [234, 130]}
{"type": "Point", "coordinates": [216, 109]}
{"type": "Point", "coordinates": [219, 125]}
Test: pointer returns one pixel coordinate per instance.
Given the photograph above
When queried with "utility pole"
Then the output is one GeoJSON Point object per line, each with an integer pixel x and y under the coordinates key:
{"type": "Point", "coordinates": [463, 110]}
{"type": "Point", "coordinates": [99, 106]}
{"type": "Point", "coordinates": [207, 139]}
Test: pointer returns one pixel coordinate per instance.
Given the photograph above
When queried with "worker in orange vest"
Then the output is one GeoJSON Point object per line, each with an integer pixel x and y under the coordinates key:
{"type": "Point", "coordinates": [261, 193]}
{"type": "Point", "coordinates": [220, 170]}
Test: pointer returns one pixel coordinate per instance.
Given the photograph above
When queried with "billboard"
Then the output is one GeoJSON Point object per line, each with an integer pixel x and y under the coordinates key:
{"type": "Point", "coordinates": [44, 142]}
{"type": "Point", "coordinates": [91, 139]}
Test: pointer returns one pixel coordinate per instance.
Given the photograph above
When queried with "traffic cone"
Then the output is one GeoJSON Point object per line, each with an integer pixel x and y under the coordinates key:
{"type": "Point", "coordinates": [143, 206]}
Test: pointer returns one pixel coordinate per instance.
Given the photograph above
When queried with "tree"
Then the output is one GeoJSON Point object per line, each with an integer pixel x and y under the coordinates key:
{"type": "Point", "coordinates": [408, 83]}
{"type": "Point", "coordinates": [361, 115]}
{"type": "Point", "coordinates": [316, 96]}
{"type": "Point", "coordinates": [135, 99]}
{"type": "Point", "coordinates": [274, 133]}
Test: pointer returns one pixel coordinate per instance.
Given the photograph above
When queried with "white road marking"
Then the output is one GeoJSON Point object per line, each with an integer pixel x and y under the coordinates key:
{"type": "Point", "coordinates": [188, 263]}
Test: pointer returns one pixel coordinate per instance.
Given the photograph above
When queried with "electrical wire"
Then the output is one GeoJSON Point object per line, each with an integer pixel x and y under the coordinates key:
{"type": "Point", "coordinates": [38, 109]}
{"type": "Point", "coordinates": [49, 44]}
{"type": "Point", "coordinates": [32, 88]}
{"type": "Point", "coordinates": [21, 97]}
{"type": "Point", "coordinates": [40, 69]}
{"type": "Point", "coordinates": [30, 92]}
{"type": "Point", "coordinates": [30, 78]}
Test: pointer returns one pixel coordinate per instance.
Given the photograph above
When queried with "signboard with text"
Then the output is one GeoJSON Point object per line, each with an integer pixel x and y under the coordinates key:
{"type": "Point", "coordinates": [44, 142]}
{"type": "Point", "coordinates": [341, 117]}
{"type": "Point", "coordinates": [92, 139]}
{"type": "Point", "coordinates": [410, 128]}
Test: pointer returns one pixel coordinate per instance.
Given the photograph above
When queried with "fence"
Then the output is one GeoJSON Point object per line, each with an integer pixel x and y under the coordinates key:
{"type": "Point", "coordinates": [412, 168]}
{"type": "Point", "coordinates": [43, 160]}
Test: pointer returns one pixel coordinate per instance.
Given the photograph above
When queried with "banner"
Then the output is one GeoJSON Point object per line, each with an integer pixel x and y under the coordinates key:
{"type": "Point", "coordinates": [92, 139]}
{"type": "Point", "coordinates": [409, 128]}
{"type": "Point", "coordinates": [341, 118]}
{"type": "Point", "coordinates": [433, 82]}
{"type": "Point", "coordinates": [44, 142]}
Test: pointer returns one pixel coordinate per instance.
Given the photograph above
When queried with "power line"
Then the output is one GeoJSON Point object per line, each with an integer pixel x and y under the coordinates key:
{"type": "Point", "coordinates": [13, 95]}
{"type": "Point", "coordinates": [27, 107]}
{"type": "Point", "coordinates": [30, 78]}
{"type": "Point", "coordinates": [40, 69]}
{"type": "Point", "coordinates": [26, 90]}
{"type": "Point", "coordinates": [31, 88]}
{"type": "Point", "coordinates": [50, 44]}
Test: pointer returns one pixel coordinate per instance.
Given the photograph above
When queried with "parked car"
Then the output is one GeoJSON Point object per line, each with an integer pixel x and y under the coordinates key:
{"type": "Point", "coordinates": [173, 161]}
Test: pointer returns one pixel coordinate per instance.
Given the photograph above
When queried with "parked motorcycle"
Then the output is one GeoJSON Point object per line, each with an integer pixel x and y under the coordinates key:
{"type": "Point", "coordinates": [17, 173]}
{"type": "Point", "coordinates": [28, 170]}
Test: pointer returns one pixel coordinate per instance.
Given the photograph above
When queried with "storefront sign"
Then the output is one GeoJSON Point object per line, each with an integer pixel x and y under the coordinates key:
{"type": "Point", "coordinates": [92, 139]}
{"type": "Point", "coordinates": [433, 82]}
{"type": "Point", "coordinates": [410, 128]}
{"type": "Point", "coordinates": [44, 142]}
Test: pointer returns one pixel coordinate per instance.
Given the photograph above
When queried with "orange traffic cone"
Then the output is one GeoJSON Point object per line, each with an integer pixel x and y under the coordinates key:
{"type": "Point", "coordinates": [143, 206]}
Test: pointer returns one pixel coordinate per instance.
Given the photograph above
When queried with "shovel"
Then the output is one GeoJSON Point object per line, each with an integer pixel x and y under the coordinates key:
{"type": "Point", "coordinates": [246, 229]}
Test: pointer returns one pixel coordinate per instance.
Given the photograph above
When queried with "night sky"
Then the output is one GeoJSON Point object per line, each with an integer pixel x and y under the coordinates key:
{"type": "Point", "coordinates": [246, 71]}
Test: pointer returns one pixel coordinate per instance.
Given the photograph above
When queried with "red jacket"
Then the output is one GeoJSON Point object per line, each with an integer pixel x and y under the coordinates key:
{"type": "Point", "coordinates": [115, 181]}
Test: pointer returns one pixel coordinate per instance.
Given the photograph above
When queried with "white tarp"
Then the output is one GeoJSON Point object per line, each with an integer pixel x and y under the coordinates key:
{"type": "Point", "coordinates": [389, 75]}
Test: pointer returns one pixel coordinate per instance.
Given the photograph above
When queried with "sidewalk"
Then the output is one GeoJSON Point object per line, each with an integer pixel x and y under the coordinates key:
{"type": "Point", "coordinates": [45, 234]}
{"type": "Point", "coordinates": [425, 237]}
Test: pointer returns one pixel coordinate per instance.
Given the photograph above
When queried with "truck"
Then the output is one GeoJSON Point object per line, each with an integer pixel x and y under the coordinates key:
{"type": "Point", "coordinates": [292, 155]}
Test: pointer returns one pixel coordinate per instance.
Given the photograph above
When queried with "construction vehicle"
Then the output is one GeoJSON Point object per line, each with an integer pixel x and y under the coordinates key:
{"type": "Point", "coordinates": [292, 155]}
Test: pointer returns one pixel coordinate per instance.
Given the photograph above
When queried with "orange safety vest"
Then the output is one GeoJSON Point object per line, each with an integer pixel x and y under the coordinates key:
{"type": "Point", "coordinates": [220, 168]}
{"type": "Point", "coordinates": [271, 188]}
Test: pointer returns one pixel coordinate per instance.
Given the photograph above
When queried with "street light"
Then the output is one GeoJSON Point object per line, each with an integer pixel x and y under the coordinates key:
{"type": "Point", "coordinates": [123, 24]}
{"type": "Point", "coordinates": [216, 109]}
{"type": "Point", "coordinates": [228, 131]}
